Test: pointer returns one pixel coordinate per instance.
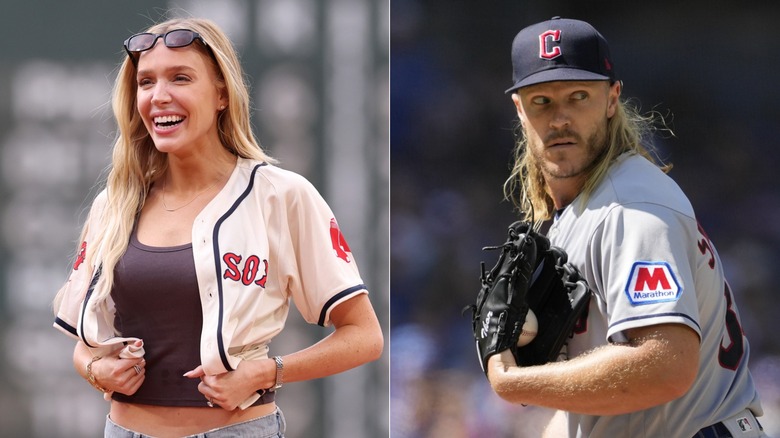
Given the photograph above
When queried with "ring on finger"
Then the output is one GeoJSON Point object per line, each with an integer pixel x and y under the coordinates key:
{"type": "Point", "coordinates": [137, 369]}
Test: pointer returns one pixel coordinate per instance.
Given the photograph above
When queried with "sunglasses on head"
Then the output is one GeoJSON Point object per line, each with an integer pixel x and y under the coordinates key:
{"type": "Point", "coordinates": [141, 42]}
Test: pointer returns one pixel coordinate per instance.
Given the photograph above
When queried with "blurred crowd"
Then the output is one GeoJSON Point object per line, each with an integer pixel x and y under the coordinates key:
{"type": "Point", "coordinates": [706, 70]}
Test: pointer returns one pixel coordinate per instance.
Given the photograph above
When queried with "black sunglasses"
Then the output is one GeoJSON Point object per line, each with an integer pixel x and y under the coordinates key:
{"type": "Point", "coordinates": [141, 42]}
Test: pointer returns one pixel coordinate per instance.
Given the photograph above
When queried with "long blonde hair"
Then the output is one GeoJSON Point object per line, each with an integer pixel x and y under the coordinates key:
{"type": "Point", "coordinates": [627, 131]}
{"type": "Point", "coordinates": [136, 163]}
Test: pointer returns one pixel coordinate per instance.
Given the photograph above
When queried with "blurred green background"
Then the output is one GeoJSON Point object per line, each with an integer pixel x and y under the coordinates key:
{"type": "Point", "coordinates": [324, 85]}
{"type": "Point", "coordinates": [709, 66]}
{"type": "Point", "coordinates": [319, 72]}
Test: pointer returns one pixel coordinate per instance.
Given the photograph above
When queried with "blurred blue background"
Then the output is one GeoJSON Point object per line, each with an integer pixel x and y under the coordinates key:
{"type": "Point", "coordinates": [319, 72]}
{"type": "Point", "coordinates": [709, 67]}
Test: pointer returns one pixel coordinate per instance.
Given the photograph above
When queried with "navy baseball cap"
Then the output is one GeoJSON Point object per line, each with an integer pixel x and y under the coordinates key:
{"type": "Point", "coordinates": [560, 49]}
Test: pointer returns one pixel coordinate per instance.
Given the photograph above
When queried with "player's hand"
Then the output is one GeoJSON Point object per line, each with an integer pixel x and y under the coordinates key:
{"type": "Point", "coordinates": [229, 390]}
{"type": "Point", "coordinates": [124, 376]}
{"type": "Point", "coordinates": [499, 363]}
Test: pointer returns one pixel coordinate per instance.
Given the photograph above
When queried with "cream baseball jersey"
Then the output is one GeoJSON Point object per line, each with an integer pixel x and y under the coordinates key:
{"type": "Point", "coordinates": [648, 262]}
{"type": "Point", "coordinates": [267, 238]}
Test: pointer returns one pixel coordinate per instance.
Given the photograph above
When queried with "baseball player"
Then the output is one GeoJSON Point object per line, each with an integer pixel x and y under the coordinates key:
{"type": "Point", "coordinates": [660, 351]}
{"type": "Point", "coordinates": [176, 292]}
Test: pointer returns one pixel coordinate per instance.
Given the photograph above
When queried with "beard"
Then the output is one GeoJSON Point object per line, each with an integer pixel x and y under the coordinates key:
{"type": "Point", "coordinates": [568, 162]}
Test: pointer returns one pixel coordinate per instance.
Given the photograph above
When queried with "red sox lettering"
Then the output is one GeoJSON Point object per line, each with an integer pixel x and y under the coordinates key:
{"type": "Point", "coordinates": [247, 272]}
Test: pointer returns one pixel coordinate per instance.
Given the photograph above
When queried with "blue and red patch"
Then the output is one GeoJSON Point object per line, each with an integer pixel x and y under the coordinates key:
{"type": "Point", "coordinates": [652, 282]}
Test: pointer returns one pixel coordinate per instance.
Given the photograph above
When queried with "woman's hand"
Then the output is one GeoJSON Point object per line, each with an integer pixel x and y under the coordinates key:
{"type": "Point", "coordinates": [111, 372]}
{"type": "Point", "coordinates": [229, 390]}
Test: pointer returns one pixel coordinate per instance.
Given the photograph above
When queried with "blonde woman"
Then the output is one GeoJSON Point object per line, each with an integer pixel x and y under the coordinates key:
{"type": "Point", "coordinates": [191, 255]}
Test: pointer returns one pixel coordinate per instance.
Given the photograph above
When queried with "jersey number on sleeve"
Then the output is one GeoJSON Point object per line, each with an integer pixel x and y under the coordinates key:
{"type": "Point", "coordinates": [730, 357]}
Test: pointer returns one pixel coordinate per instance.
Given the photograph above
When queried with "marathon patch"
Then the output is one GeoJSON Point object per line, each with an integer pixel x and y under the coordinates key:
{"type": "Point", "coordinates": [652, 282]}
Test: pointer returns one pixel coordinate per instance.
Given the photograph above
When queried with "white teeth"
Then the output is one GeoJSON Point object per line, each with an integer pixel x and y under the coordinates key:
{"type": "Point", "coordinates": [167, 119]}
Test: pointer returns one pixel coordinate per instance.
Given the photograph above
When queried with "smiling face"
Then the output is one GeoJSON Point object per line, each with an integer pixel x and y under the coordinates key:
{"type": "Point", "coordinates": [179, 97]}
{"type": "Point", "coordinates": [565, 124]}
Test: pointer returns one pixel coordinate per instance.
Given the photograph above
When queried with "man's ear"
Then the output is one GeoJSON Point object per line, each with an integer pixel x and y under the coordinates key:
{"type": "Point", "coordinates": [518, 104]}
{"type": "Point", "coordinates": [614, 96]}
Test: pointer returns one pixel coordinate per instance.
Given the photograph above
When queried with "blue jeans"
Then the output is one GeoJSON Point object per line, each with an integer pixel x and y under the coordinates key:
{"type": "Point", "coordinates": [272, 425]}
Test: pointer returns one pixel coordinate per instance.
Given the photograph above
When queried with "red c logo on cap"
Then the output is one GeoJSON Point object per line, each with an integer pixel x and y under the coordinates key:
{"type": "Point", "coordinates": [546, 38]}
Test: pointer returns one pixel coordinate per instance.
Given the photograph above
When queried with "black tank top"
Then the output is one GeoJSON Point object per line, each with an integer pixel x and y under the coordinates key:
{"type": "Point", "coordinates": [156, 298]}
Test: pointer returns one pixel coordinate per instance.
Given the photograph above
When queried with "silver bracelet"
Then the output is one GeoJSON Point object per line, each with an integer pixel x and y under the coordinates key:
{"type": "Point", "coordinates": [279, 373]}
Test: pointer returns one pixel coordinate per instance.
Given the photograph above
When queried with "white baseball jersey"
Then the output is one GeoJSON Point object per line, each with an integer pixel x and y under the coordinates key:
{"type": "Point", "coordinates": [648, 262]}
{"type": "Point", "coordinates": [266, 238]}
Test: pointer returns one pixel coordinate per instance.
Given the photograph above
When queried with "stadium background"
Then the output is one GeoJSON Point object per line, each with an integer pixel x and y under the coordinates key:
{"type": "Point", "coordinates": [320, 76]}
{"type": "Point", "coordinates": [710, 66]}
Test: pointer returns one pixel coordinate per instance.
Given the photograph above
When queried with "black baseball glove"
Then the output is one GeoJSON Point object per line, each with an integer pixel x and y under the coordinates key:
{"type": "Point", "coordinates": [530, 273]}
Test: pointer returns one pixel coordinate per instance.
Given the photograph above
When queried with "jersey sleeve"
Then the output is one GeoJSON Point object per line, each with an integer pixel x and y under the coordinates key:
{"type": "Point", "coordinates": [324, 272]}
{"type": "Point", "coordinates": [649, 260]}
{"type": "Point", "coordinates": [69, 301]}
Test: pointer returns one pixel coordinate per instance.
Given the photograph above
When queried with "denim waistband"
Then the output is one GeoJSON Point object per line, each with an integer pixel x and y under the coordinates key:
{"type": "Point", "coordinates": [271, 425]}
